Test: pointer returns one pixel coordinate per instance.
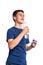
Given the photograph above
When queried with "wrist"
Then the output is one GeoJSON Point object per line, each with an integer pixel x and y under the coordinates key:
{"type": "Point", "coordinates": [31, 46]}
{"type": "Point", "coordinates": [23, 33]}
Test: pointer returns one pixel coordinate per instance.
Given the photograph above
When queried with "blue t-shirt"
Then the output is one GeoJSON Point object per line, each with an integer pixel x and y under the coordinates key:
{"type": "Point", "coordinates": [17, 55]}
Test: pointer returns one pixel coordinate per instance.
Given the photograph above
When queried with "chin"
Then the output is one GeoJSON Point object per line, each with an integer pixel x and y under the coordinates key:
{"type": "Point", "coordinates": [21, 22]}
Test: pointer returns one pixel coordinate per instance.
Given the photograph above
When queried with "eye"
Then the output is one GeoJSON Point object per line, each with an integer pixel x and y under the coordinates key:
{"type": "Point", "coordinates": [20, 14]}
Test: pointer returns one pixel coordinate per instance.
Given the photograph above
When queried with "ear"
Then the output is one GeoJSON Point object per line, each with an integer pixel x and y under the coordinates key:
{"type": "Point", "coordinates": [14, 18]}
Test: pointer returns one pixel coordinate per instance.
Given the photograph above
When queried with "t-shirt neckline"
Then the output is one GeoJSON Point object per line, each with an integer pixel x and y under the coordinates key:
{"type": "Point", "coordinates": [17, 28]}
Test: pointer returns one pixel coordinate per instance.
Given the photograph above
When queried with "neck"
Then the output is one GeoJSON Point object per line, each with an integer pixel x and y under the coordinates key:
{"type": "Point", "coordinates": [18, 25]}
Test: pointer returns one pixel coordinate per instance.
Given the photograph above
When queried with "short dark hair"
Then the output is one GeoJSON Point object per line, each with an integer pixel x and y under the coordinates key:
{"type": "Point", "coordinates": [16, 11]}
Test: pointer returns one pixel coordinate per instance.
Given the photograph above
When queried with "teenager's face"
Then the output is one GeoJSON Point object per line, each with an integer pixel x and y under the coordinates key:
{"type": "Point", "coordinates": [19, 18]}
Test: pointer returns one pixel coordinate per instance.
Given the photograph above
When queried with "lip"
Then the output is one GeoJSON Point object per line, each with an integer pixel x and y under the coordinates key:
{"type": "Point", "coordinates": [22, 19]}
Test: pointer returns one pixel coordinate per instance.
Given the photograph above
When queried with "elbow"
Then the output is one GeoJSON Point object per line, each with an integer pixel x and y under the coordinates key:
{"type": "Point", "coordinates": [12, 44]}
{"type": "Point", "coordinates": [11, 47]}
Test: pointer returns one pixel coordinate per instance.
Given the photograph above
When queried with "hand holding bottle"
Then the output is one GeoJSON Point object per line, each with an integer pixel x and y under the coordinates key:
{"type": "Point", "coordinates": [25, 30]}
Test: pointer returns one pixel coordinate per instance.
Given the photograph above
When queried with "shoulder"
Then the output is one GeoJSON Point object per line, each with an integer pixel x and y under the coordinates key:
{"type": "Point", "coordinates": [10, 29]}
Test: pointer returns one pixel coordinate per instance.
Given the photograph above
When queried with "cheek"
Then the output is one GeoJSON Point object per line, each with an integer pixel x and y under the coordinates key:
{"type": "Point", "coordinates": [19, 18]}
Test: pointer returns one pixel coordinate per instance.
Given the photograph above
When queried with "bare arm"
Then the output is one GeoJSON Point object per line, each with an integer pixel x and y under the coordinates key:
{"type": "Point", "coordinates": [28, 47]}
{"type": "Point", "coordinates": [14, 42]}
{"type": "Point", "coordinates": [31, 46]}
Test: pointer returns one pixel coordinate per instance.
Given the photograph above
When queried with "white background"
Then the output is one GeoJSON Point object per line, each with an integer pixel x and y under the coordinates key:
{"type": "Point", "coordinates": [34, 18]}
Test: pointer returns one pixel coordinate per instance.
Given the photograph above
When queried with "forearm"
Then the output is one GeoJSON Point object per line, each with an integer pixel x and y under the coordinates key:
{"type": "Point", "coordinates": [16, 41]}
{"type": "Point", "coordinates": [28, 48]}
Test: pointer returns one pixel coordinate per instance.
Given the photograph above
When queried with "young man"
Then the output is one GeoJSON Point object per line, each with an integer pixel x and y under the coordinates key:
{"type": "Point", "coordinates": [18, 44]}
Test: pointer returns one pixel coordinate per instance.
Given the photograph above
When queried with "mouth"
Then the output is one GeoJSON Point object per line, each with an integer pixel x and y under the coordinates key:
{"type": "Point", "coordinates": [22, 19]}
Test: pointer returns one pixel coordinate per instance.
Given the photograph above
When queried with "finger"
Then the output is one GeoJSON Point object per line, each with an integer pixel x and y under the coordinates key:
{"type": "Point", "coordinates": [34, 40]}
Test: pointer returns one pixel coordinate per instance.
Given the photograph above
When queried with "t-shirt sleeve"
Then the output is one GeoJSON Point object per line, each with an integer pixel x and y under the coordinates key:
{"type": "Point", "coordinates": [10, 35]}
